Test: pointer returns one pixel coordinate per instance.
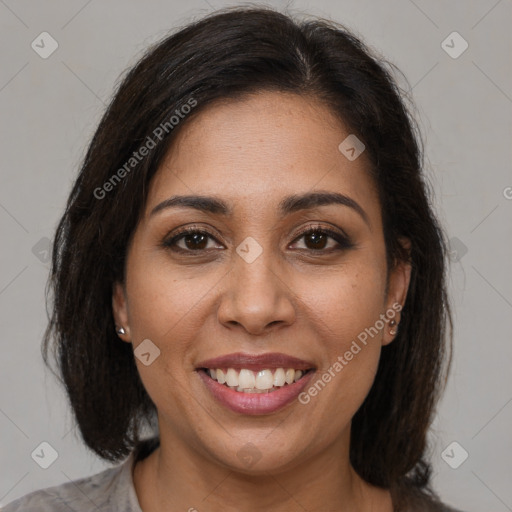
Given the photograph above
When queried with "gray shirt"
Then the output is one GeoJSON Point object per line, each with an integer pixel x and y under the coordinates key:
{"type": "Point", "coordinates": [108, 491]}
{"type": "Point", "coordinates": [112, 490]}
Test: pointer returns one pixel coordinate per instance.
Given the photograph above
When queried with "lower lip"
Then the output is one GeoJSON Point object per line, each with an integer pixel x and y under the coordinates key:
{"type": "Point", "coordinates": [255, 403]}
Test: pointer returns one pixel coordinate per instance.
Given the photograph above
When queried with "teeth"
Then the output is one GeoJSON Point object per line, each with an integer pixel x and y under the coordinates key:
{"type": "Point", "coordinates": [264, 379]}
{"type": "Point", "coordinates": [232, 378]}
{"type": "Point", "coordinates": [279, 377]}
{"type": "Point", "coordinates": [220, 378]}
{"type": "Point", "coordinates": [248, 381]}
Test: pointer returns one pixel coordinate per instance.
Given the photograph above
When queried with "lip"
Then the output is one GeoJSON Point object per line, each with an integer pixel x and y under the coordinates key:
{"type": "Point", "coordinates": [256, 362]}
{"type": "Point", "coordinates": [255, 403]}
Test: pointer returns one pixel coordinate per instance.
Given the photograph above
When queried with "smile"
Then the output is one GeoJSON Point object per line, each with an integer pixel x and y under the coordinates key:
{"type": "Point", "coordinates": [263, 381]}
{"type": "Point", "coordinates": [255, 384]}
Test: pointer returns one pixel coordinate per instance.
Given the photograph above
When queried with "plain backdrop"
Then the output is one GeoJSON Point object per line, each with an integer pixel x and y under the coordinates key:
{"type": "Point", "coordinates": [51, 106]}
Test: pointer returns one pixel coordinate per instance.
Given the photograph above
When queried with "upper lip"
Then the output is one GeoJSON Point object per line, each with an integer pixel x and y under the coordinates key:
{"type": "Point", "coordinates": [256, 362]}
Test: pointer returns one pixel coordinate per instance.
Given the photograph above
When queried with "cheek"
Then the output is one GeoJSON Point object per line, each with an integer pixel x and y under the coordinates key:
{"type": "Point", "coordinates": [345, 302]}
{"type": "Point", "coordinates": [163, 299]}
{"type": "Point", "coordinates": [339, 388]}
{"type": "Point", "coordinates": [157, 305]}
{"type": "Point", "coordinates": [170, 308]}
{"type": "Point", "coordinates": [346, 308]}
{"type": "Point", "coordinates": [158, 310]}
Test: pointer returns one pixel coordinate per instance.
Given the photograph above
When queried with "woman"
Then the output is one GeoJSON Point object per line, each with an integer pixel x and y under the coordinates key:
{"type": "Point", "coordinates": [249, 266]}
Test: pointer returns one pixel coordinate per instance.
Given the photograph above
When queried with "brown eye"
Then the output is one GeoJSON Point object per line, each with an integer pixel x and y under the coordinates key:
{"type": "Point", "coordinates": [189, 240]}
{"type": "Point", "coordinates": [317, 239]}
{"type": "Point", "coordinates": [195, 241]}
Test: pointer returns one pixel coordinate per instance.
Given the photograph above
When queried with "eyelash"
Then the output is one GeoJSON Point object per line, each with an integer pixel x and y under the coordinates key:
{"type": "Point", "coordinates": [343, 241]}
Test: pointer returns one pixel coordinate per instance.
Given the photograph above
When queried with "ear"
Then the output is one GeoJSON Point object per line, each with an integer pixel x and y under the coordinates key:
{"type": "Point", "coordinates": [399, 280]}
{"type": "Point", "coordinates": [120, 310]}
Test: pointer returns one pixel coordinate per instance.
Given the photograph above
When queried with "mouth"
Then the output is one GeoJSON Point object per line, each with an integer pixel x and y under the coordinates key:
{"type": "Point", "coordinates": [245, 380]}
{"type": "Point", "coordinates": [255, 384]}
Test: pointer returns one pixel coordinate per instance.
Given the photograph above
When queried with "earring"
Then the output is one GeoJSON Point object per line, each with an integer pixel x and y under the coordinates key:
{"type": "Point", "coordinates": [392, 324]}
{"type": "Point", "coordinates": [120, 330]}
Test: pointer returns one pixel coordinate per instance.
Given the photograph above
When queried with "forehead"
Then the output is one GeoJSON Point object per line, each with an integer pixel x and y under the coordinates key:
{"type": "Point", "coordinates": [256, 150]}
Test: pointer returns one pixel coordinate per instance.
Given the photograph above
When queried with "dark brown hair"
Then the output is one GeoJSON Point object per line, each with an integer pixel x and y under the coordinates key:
{"type": "Point", "coordinates": [227, 55]}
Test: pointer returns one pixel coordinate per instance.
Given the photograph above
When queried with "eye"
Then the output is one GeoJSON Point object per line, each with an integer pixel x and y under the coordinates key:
{"type": "Point", "coordinates": [317, 237]}
{"type": "Point", "coordinates": [193, 238]}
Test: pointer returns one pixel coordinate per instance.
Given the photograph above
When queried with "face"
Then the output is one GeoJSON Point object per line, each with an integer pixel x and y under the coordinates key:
{"type": "Point", "coordinates": [261, 273]}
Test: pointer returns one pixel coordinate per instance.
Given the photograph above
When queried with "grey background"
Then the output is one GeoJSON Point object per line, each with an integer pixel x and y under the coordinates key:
{"type": "Point", "coordinates": [50, 108]}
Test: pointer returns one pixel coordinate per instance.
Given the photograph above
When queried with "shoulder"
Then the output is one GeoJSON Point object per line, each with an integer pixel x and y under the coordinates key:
{"type": "Point", "coordinates": [427, 503]}
{"type": "Point", "coordinates": [441, 507]}
{"type": "Point", "coordinates": [85, 494]}
{"type": "Point", "coordinates": [107, 491]}
{"type": "Point", "coordinates": [438, 507]}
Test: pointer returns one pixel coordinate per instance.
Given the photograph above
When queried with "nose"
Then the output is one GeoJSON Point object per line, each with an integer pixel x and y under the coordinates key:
{"type": "Point", "coordinates": [257, 295]}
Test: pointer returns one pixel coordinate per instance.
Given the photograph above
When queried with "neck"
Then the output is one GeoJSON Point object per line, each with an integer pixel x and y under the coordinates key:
{"type": "Point", "coordinates": [175, 477]}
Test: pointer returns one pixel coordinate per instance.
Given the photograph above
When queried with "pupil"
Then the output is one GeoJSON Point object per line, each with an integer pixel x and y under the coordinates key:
{"type": "Point", "coordinates": [197, 239]}
{"type": "Point", "coordinates": [317, 238]}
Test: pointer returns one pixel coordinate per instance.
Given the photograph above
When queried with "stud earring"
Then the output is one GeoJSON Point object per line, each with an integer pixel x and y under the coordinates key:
{"type": "Point", "coordinates": [392, 324]}
{"type": "Point", "coordinates": [120, 330]}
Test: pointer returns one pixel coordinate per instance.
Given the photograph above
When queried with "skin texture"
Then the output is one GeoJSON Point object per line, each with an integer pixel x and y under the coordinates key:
{"type": "Point", "coordinates": [209, 302]}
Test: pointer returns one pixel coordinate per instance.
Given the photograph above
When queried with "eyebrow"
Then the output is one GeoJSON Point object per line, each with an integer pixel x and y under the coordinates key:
{"type": "Point", "coordinates": [289, 204]}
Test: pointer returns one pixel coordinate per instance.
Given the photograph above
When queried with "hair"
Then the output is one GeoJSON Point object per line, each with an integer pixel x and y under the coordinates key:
{"type": "Point", "coordinates": [226, 55]}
